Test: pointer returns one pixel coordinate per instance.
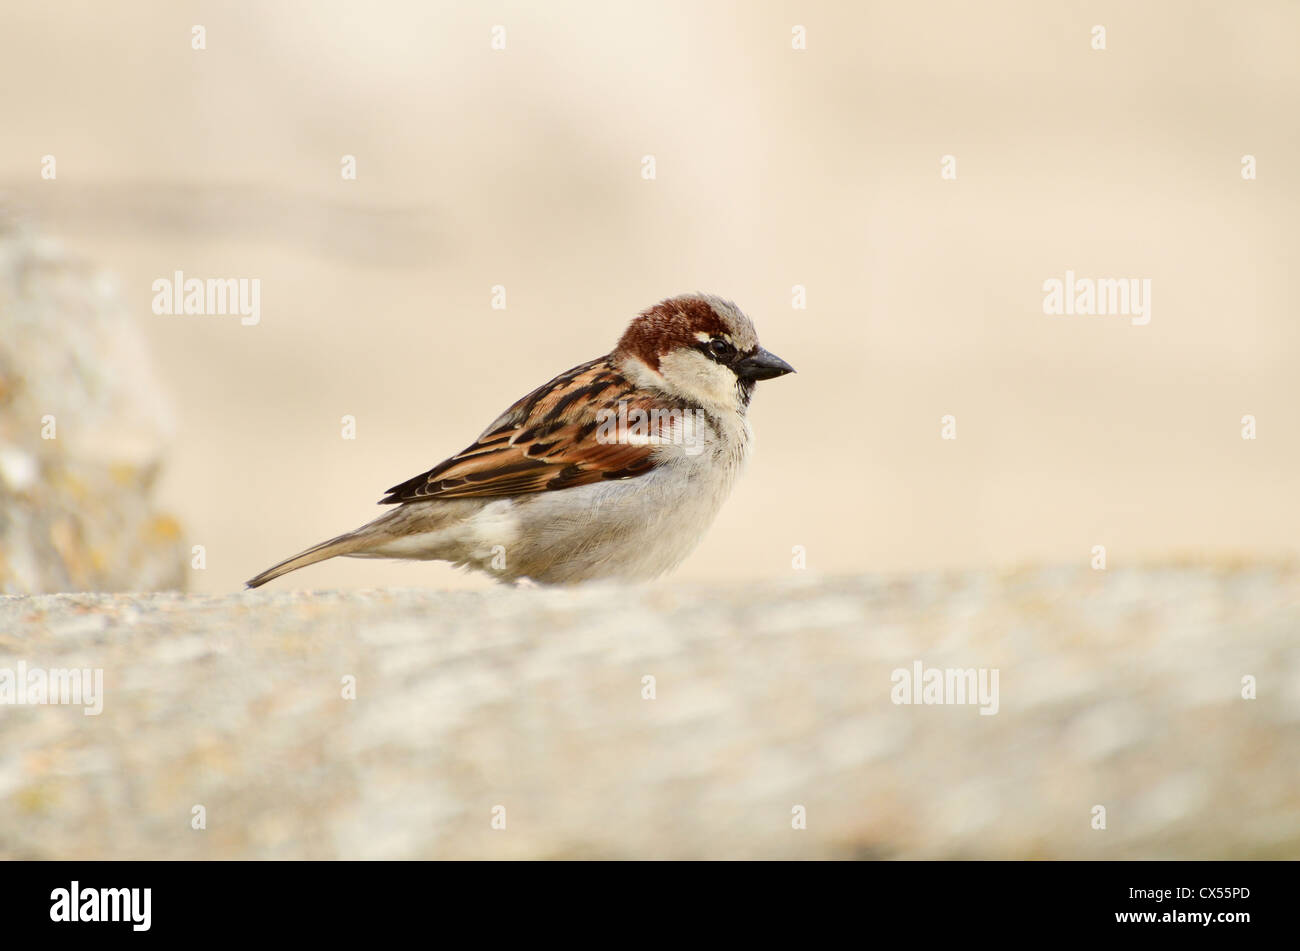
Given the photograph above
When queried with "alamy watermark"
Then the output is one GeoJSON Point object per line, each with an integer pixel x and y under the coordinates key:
{"type": "Point", "coordinates": [946, 685]}
{"type": "Point", "coordinates": [1101, 297]}
{"type": "Point", "coordinates": [23, 685]}
{"type": "Point", "coordinates": [635, 426]}
{"type": "Point", "coordinates": [76, 903]}
{"type": "Point", "coordinates": [216, 297]}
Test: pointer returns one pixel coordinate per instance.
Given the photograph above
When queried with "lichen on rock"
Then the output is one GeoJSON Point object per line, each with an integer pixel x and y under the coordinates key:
{"type": "Point", "coordinates": [84, 426]}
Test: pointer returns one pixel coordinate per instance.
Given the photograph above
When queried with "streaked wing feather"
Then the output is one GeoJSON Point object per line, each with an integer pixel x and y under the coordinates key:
{"type": "Point", "coordinates": [544, 442]}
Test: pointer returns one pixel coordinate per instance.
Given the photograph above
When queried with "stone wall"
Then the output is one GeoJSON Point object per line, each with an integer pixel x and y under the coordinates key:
{"type": "Point", "coordinates": [1120, 689]}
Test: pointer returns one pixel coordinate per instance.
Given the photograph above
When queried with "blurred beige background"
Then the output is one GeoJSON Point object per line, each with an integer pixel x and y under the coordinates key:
{"type": "Point", "coordinates": [775, 167]}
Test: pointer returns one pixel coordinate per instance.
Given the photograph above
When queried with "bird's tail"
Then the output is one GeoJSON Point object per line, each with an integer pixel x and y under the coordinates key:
{"type": "Point", "coordinates": [342, 545]}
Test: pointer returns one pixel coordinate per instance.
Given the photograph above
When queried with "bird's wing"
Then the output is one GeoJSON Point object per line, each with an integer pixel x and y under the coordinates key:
{"type": "Point", "coordinates": [556, 437]}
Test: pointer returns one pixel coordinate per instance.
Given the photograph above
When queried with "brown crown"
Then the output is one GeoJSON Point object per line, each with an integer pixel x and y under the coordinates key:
{"type": "Point", "coordinates": [668, 325]}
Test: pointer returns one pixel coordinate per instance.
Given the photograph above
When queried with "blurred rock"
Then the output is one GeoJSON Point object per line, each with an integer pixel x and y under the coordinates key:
{"type": "Point", "coordinates": [83, 428]}
{"type": "Point", "coordinates": [1120, 689]}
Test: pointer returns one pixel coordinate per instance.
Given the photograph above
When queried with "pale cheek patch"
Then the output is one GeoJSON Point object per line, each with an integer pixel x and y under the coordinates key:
{"type": "Point", "coordinates": [696, 376]}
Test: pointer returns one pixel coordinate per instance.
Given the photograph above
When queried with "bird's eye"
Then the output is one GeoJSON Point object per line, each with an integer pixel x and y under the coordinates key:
{"type": "Point", "coordinates": [720, 348]}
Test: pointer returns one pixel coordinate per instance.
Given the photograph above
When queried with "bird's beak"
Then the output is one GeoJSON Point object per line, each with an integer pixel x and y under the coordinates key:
{"type": "Point", "coordinates": [762, 366]}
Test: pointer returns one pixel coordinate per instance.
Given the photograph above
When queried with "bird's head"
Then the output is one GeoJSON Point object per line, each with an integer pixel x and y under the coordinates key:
{"type": "Point", "coordinates": [698, 348]}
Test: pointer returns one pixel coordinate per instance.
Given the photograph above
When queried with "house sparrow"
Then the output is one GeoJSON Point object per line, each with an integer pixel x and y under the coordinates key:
{"type": "Point", "coordinates": [611, 470]}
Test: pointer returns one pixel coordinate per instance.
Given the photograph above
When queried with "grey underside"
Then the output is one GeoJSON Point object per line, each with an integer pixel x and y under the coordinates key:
{"type": "Point", "coordinates": [634, 528]}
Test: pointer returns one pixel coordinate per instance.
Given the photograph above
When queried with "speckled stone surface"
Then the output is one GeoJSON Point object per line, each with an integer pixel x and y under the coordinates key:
{"type": "Point", "coordinates": [84, 427]}
{"type": "Point", "coordinates": [1120, 688]}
